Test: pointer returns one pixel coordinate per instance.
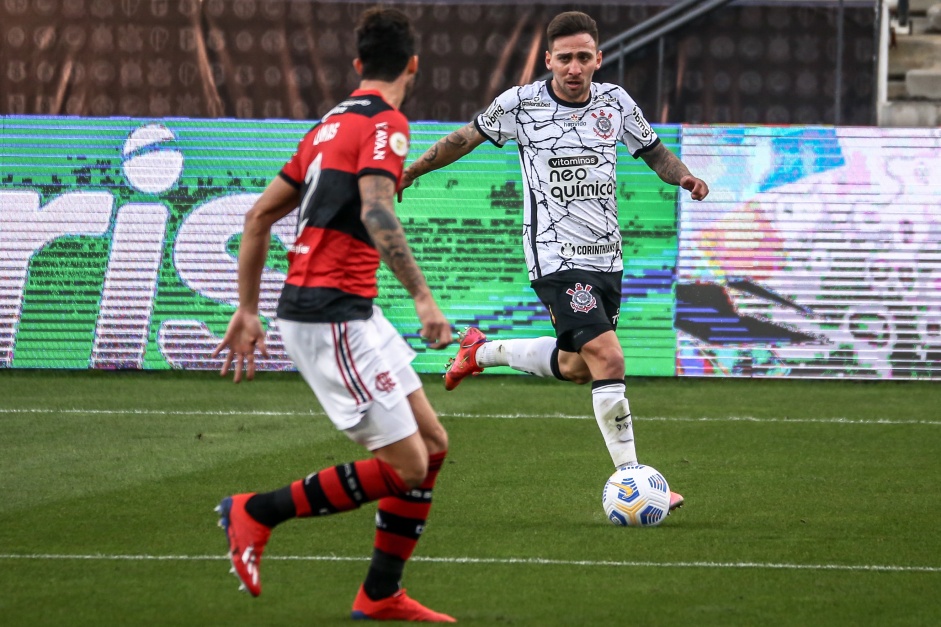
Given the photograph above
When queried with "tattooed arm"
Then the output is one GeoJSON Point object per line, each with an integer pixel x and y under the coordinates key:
{"type": "Point", "coordinates": [446, 151]}
{"type": "Point", "coordinates": [673, 171]}
{"type": "Point", "coordinates": [378, 215]}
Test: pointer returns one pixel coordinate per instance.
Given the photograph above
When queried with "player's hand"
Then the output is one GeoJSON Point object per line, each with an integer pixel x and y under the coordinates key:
{"type": "Point", "coordinates": [407, 180]}
{"type": "Point", "coordinates": [435, 328]}
{"type": "Point", "coordinates": [244, 335]}
{"type": "Point", "coordinates": [697, 188]}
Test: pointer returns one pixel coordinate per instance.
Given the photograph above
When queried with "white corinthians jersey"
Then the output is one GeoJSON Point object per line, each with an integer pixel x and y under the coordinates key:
{"type": "Point", "coordinates": [567, 154]}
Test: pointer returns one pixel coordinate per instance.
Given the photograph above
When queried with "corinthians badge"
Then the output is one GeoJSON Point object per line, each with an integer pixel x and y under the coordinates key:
{"type": "Point", "coordinates": [582, 300]}
{"type": "Point", "coordinates": [603, 126]}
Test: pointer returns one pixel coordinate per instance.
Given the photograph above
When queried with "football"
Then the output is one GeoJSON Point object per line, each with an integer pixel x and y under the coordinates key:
{"type": "Point", "coordinates": [636, 496]}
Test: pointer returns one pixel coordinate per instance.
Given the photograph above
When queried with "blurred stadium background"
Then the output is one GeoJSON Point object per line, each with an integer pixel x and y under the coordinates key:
{"type": "Point", "coordinates": [134, 134]}
{"type": "Point", "coordinates": [739, 62]}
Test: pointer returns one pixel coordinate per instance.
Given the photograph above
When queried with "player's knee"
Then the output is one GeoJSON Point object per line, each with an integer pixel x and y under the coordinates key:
{"type": "Point", "coordinates": [413, 474]}
{"type": "Point", "coordinates": [575, 370]}
{"type": "Point", "coordinates": [436, 439]}
{"type": "Point", "coordinates": [580, 377]}
{"type": "Point", "coordinates": [604, 362]}
{"type": "Point", "coordinates": [613, 366]}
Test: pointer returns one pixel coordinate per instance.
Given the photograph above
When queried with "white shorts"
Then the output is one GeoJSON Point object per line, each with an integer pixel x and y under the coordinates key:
{"type": "Point", "coordinates": [361, 373]}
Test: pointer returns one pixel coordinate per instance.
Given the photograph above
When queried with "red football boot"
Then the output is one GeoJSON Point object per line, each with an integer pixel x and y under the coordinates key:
{"type": "Point", "coordinates": [397, 607]}
{"type": "Point", "coordinates": [676, 501]}
{"type": "Point", "coordinates": [464, 363]}
{"type": "Point", "coordinates": [247, 539]}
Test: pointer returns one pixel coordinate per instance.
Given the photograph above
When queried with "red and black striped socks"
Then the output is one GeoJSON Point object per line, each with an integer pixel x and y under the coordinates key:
{"type": "Point", "coordinates": [400, 521]}
{"type": "Point", "coordinates": [334, 489]}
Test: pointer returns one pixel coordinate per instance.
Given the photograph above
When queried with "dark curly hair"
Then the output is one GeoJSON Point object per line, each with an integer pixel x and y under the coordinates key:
{"type": "Point", "coordinates": [385, 42]}
{"type": "Point", "coordinates": [571, 23]}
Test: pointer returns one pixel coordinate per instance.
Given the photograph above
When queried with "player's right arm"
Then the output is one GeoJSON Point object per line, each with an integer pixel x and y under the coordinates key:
{"type": "Point", "coordinates": [245, 332]}
{"type": "Point", "coordinates": [497, 124]}
{"type": "Point", "coordinates": [378, 216]}
{"type": "Point", "coordinates": [446, 151]}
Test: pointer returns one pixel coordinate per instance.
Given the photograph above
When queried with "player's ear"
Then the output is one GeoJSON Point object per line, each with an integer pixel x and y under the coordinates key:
{"type": "Point", "coordinates": [358, 66]}
{"type": "Point", "coordinates": [548, 59]}
{"type": "Point", "coordinates": [412, 66]}
{"type": "Point", "coordinates": [598, 60]}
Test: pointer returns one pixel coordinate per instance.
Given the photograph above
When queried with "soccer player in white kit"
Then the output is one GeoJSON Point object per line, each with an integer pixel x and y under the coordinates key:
{"type": "Point", "coordinates": [567, 129]}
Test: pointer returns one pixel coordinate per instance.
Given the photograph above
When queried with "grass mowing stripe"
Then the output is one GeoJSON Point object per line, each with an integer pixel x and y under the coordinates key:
{"type": "Point", "coordinates": [821, 522]}
{"type": "Point", "coordinates": [537, 561]}
{"type": "Point", "coordinates": [158, 412]}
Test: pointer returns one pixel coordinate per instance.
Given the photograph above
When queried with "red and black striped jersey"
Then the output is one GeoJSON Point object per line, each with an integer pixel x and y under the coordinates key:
{"type": "Point", "coordinates": [333, 262]}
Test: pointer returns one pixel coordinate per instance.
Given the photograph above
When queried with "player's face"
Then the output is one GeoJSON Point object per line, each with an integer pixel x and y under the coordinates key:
{"type": "Point", "coordinates": [573, 60]}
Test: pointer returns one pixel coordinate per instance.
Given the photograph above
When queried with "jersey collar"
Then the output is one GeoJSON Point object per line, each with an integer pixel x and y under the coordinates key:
{"type": "Point", "coordinates": [359, 93]}
{"type": "Point", "coordinates": [366, 92]}
{"type": "Point", "coordinates": [571, 105]}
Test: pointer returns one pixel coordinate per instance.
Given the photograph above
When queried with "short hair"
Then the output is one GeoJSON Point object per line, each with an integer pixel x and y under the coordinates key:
{"type": "Point", "coordinates": [385, 42]}
{"type": "Point", "coordinates": [571, 23]}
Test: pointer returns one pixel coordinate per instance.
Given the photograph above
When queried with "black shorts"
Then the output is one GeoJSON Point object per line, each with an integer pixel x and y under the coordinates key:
{"type": "Point", "coordinates": [582, 304]}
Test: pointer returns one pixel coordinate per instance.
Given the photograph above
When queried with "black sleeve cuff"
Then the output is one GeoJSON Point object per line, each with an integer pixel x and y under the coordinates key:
{"type": "Point", "coordinates": [646, 148]}
{"type": "Point", "coordinates": [289, 180]}
{"type": "Point", "coordinates": [376, 172]}
{"type": "Point", "coordinates": [485, 134]}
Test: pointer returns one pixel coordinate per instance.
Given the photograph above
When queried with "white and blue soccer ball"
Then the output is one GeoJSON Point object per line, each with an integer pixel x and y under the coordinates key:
{"type": "Point", "coordinates": [636, 496]}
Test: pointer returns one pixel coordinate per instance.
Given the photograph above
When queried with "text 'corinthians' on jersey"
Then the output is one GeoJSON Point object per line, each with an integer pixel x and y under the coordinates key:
{"type": "Point", "coordinates": [568, 154]}
{"type": "Point", "coordinates": [333, 262]}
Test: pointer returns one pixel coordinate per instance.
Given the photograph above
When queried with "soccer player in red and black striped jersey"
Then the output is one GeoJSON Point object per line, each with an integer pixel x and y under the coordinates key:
{"type": "Point", "coordinates": [343, 178]}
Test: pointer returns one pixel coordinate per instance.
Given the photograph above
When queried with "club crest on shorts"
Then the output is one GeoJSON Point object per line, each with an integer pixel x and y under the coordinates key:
{"type": "Point", "coordinates": [384, 382]}
{"type": "Point", "coordinates": [582, 300]}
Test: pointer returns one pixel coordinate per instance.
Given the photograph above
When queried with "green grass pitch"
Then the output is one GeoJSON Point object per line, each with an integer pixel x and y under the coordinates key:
{"type": "Point", "coordinates": [808, 503]}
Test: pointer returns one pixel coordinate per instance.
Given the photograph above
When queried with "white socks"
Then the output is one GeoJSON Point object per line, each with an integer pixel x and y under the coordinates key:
{"type": "Point", "coordinates": [612, 410]}
{"type": "Point", "coordinates": [533, 356]}
{"type": "Point", "coordinates": [613, 413]}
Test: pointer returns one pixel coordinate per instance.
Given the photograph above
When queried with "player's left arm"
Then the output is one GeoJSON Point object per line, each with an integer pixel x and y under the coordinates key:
{"type": "Point", "coordinates": [245, 333]}
{"type": "Point", "coordinates": [673, 171]}
{"type": "Point", "coordinates": [378, 216]}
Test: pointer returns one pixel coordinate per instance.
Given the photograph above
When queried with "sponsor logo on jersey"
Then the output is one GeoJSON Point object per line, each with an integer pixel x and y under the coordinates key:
{"type": "Point", "coordinates": [399, 144]}
{"type": "Point", "coordinates": [343, 106]}
{"type": "Point", "coordinates": [326, 132]}
{"type": "Point", "coordinates": [535, 103]}
{"type": "Point", "coordinates": [299, 249]}
{"type": "Point", "coordinates": [567, 162]}
{"type": "Point", "coordinates": [568, 179]}
{"type": "Point", "coordinates": [603, 128]}
{"type": "Point", "coordinates": [645, 130]}
{"type": "Point", "coordinates": [493, 114]}
{"type": "Point", "coordinates": [570, 250]}
{"type": "Point", "coordinates": [382, 141]}
{"type": "Point", "coordinates": [574, 120]}
{"type": "Point", "coordinates": [582, 300]}
{"type": "Point", "coordinates": [597, 249]}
